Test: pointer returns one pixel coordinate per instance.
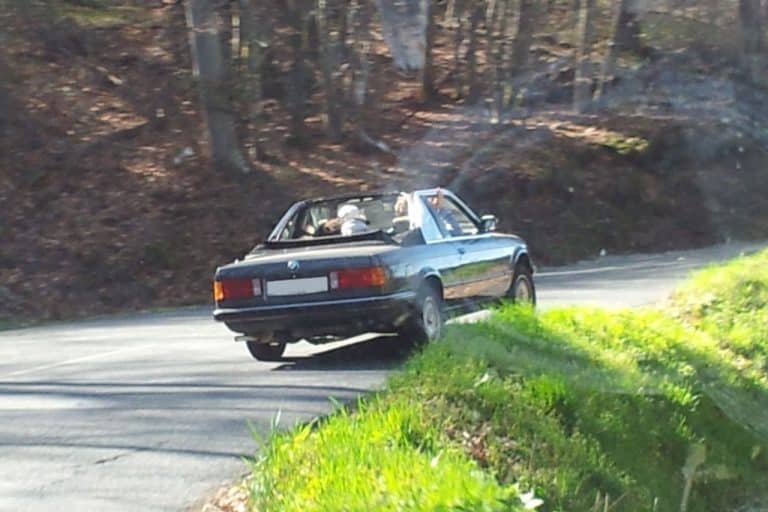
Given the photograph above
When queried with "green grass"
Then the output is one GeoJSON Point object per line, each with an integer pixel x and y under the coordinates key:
{"type": "Point", "coordinates": [580, 405]}
{"type": "Point", "coordinates": [385, 456]}
{"type": "Point", "coordinates": [599, 402]}
{"type": "Point", "coordinates": [730, 303]}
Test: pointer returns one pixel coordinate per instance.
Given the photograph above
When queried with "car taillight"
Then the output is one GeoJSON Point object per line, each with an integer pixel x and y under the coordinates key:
{"type": "Point", "coordinates": [358, 278]}
{"type": "Point", "coordinates": [231, 289]}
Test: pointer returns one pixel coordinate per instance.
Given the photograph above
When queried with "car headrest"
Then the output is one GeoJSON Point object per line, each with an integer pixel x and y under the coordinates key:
{"type": "Point", "coordinates": [401, 224]}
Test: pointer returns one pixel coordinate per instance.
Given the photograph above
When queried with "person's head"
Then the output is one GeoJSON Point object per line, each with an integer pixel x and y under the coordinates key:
{"type": "Point", "coordinates": [348, 212]}
{"type": "Point", "coordinates": [352, 220]}
{"type": "Point", "coordinates": [401, 205]}
{"type": "Point", "coordinates": [437, 199]}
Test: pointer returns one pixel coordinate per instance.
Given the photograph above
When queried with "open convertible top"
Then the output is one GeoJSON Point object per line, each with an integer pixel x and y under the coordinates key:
{"type": "Point", "coordinates": [387, 217]}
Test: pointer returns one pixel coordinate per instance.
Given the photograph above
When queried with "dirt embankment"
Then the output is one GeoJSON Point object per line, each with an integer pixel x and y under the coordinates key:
{"type": "Point", "coordinates": [107, 202]}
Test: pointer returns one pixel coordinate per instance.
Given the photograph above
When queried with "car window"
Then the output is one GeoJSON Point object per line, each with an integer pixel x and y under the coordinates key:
{"type": "Point", "coordinates": [451, 218]}
{"type": "Point", "coordinates": [425, 220]}
{"type": "Point", "coordinates": [287, 232]}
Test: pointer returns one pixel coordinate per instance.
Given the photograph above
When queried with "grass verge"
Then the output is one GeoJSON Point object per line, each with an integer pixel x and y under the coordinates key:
{"type": "Point", "coordinates": [384, 456]}
{"type": "Point", "coordinates": [590, 409]}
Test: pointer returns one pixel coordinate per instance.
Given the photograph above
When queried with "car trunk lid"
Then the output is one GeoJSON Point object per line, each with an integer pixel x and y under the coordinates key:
{"type": "Point", "coordinates": [304, 274]}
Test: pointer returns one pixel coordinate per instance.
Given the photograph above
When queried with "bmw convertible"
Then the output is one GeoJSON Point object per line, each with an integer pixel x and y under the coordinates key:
{"type": "Point", "coordinates": [389, 263]}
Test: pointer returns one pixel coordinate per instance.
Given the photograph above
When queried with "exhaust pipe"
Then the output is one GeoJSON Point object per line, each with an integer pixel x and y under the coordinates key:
{"type": "Point", "coordinates": [266, 337]}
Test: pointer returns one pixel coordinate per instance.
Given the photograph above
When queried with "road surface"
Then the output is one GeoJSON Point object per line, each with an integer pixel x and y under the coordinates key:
{"type": "Point", "coordinates": [151, 412]}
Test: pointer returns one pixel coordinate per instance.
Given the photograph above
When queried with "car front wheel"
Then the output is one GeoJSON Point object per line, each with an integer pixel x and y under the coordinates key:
{"type": "Point", "coordinates": [522, 291]}
{"type": "Point", "coordinates": [266, 351]}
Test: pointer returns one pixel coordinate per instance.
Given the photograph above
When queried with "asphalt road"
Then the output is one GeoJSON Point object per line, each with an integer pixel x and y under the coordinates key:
{"type": "Point", "coordinates": [152, 412]}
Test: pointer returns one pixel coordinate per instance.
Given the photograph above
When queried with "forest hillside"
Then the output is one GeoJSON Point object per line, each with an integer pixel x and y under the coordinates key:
{"type": "Point", "coordinates": [143, 142]}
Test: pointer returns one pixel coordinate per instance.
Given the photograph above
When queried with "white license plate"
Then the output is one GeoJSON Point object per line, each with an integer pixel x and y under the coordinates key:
{"type": "Point", "coordinates": [297, 286]}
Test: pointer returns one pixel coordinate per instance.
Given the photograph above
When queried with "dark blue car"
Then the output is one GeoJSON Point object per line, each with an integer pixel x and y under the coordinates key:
{"type": "Point", "coordinates": [390, 262]}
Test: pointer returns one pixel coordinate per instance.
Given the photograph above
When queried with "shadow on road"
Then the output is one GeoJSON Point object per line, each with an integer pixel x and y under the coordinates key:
{"type": "Point", "coordinates": [381, 353]}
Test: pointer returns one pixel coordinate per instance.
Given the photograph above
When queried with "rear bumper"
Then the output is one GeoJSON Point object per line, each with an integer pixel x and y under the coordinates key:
{"type": "Point", "coordinates": [344, 317]}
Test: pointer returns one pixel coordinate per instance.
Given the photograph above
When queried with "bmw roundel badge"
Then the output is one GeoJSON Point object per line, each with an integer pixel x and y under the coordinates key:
{"type": "Point", "coordinates": [293, 265]}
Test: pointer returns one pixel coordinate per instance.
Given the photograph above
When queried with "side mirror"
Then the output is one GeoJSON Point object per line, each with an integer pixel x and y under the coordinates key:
{"type": "Point", "coordinates": [488, 223]}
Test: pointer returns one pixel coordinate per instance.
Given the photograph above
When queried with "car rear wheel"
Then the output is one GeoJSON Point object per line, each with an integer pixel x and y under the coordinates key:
{"type": "Point", "coordinates": [522, 291]}
{"type": "Point", "coordinates": [426, 324]}
{"type": "Point", "coordinates": [266, 351]}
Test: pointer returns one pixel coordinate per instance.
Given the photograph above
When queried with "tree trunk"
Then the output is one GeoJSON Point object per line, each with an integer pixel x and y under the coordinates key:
{"type": "Point", "coordinates": [359, 23]}
{"type": "Point", "coordinates": [253, 42]}
{"type": "Point", "coordinates": [751, 23]}
{"type": "Point", "coordinates": [458, 40]}
{"type": "Point", "coordinates": [450, 12]}
{"type": "Point", "coordinates": [5, 101]}
{"type": "Point", "coordinates": [212, 73]}
{"type": "Point", "coordinates": [764, 10]}
{"type": "Point", "coordinates": [499, 54]}
{"type": "Point", "coordinates": [627, 27]}
{"type": "Point", "coordinates": [474, 22]}
{"type": "Point", "coordinates": [491, 36]}
{"type": "Point", "coordinates": [328, 36]}
{"type": "Point", "coordinates": [521, 45]}
{"type": "Point", "coordinates": [297, 80]}
{"type": "Point", "coordinates": [582, 87]}
{"type": "Point", "coordinates": [574, 19]}
{"type": "Point", "coordinates": [712, 10]}
{"type": "Point", "coordinates": [614, 45]}
{"type": "Point", "coordinates": [427, 71]}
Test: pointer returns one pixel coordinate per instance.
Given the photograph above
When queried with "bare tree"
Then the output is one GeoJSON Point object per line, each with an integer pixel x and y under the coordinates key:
{"type": "Point", "coordinates": [212, 73]}
{"type": "Point", "coordinates": [360, 13]}
{"type": "Point", "coordinates": [329, 36]}
{"type": "Point", "coordinates": [627, 27]}
{"type": "Point", "coordinates": [521, 44]}
{"type": "Point", "coordinates": [751, 23]}
{"type": "Point", "coordinates": [764, 10]}
{"type": "Point", "coordinates": [582, 87]}
{"type": "Point", "coordinates": [476, 15]}
{"type": "Point", "coordinates": [297, 82]}
{"type": "Point", "coordinates": [450, 12]}
{"type": "Point", "coordinates": [498, 16]}
{"type": "Point", "coordinates": [4, 94]}
{"type": "Point", "coordinates": [457, 9]}
{"type": "Point", "coordinates": [427, 70]}
{"type": "Point", "coordinates": [254, 41]}
{"type": "Point", "coordinates": [614, 45]}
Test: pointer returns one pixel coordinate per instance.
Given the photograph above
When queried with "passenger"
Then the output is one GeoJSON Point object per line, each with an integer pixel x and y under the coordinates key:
{"type": "Point", "coordinates": [401, 205]}
{"type": "Point", "coordinates": [401, 222]}
{"type": "Point", "coordinates": [445, 215]}
{"type": "Point", "coordinates": [352, 220]}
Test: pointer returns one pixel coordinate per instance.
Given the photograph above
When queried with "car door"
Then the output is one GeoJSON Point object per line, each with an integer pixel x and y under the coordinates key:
{"type": "Point", "coordinates": [485, 263]}
{"type": "Point", "coordinates": [440, 252]}
{"type": "Point", "coordinates": [489, 257]}
{"type": "Point", "coordinates": [452, 228]}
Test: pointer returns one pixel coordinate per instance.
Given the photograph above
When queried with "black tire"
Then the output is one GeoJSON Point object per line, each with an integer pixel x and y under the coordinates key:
{"type": "Point", "coordinates": [428, 319]}
{"type": "Point", "coordinates": [522, 290]}
{"type": "Point", "coordinates": [266, 351]}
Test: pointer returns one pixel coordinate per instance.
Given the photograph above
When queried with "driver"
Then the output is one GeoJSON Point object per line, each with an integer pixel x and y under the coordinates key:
{"type": "Point", "coordinates": [444, 214]}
